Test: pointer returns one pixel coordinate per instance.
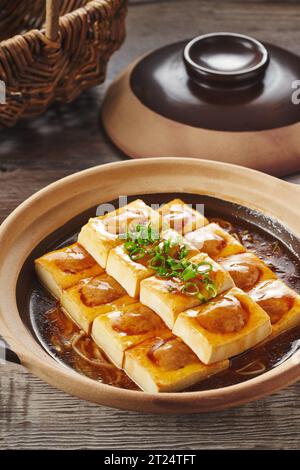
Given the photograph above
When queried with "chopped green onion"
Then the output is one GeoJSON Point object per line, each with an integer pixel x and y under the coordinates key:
{"type": "Point", "coordinates": [211, 287]}
{"type": "Point", "coordinates": [144, 241]}
{"type": "Point", "coordinates": [190, 288]}
{"type": "Point", "coordinates": [137, 253]}
{"type": "Point", "coordinates": [129, 246]}
{"type": "Point", "coordinates": [204, 267]}
{"type": "Point", "coordinates": [188, 273]}
{"type": "Point", "coordinates": [183, 252]}
{"type": "Point", "coordinates": [201, 297]}
{"type": "Point", "coordinates": [156, 261]}
{"type": "Point", "coordinates": [174, 264]}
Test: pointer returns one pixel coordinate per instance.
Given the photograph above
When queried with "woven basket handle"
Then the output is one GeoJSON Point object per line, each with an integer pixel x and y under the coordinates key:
{"type": "Point", "coordinates": [52, 18]}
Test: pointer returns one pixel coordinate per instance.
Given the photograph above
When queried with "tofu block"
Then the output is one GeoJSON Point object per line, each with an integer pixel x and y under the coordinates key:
{"type": "Point", "coordinates": [166, 364]}
{"type": "Point", "coordinates": [64, 268]}
{"type": "Point", "coordinates": [181, 217]}
{"type": "Point", "coordinates": [281, 303]}
{"type": "Point", "coordinates": [224, 327]}
{"type": "Point", "coordinates": [215, 241]}
{"type": "Point", "coordinates": [166, 298]}
{"type": "Point", "coordinates": [92, 297]}
{"type": "Point", "coordinates": [124, 327]}
{"type": "Point", "coordinates": [130, 273]}
{"type": "Point", "coordinates": [103, 233]}
{"type": "Point", "coordinates": [246, 270]}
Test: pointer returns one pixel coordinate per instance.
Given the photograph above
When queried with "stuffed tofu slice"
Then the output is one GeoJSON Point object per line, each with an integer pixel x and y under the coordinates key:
{"type": "Point", "coordinates": [224, 327]}
{"type": "Point", "coordinates": [170, 296]}
{"type": "Point", "coordinates": [281, 303]}
{"type": "Point", "coordinates": [215, 241]}
{"type": "Point", "coordinates": [246, 270]}
{"type": "Point", "coordinates": [63, 268]}
{"type": "Point", "coordinates": [165, 364]}
{"type": "Point", "coordinates": [103, 233]}
{"type": "Point", "coordinates": [129, 268]}
{"type": "Point", "coordinates": [92, 297]}
{"type": "Point", "coordinates": [181, 217]}
{"type": "Point", "coordinates": [121, 328]}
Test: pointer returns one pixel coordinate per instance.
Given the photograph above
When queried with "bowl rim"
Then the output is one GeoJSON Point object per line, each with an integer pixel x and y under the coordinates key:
{"type": "Point", "coordinates": [32, 354]}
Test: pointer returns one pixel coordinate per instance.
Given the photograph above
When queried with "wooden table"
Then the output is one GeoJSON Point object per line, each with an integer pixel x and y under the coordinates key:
{"type": "Point", "coordinates": [69, 138]}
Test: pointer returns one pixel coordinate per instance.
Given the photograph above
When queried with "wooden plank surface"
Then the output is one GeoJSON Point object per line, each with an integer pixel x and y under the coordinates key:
{"type": "Point", "coordinates": [70, 138]}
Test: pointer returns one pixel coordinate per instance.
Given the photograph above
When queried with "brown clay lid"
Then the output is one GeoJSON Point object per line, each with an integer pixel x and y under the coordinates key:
{"type": "Point", "coordinates": [220, 81]}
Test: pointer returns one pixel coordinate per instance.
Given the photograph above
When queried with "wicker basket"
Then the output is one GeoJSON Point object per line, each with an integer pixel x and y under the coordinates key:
{"type": "Point", "coordinates": [58, 62]}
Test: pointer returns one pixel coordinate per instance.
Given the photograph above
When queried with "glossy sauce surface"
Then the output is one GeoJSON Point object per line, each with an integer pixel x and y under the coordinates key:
{"type": "Point", "coordinates": [227, 315]}
{"type": "Point", "coordinates": [62, 339]}
{"type": "Point", "coordinates": [74, 260]}
{"type": "Point", "coordinates": [171, 354]}
{"type": "Point", "coordinates": [100, 290]}
{"type": "Point", "coordinates": [135, 320]}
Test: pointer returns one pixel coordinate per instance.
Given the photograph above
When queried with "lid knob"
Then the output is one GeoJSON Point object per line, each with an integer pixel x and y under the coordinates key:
{"type": "Point", "coordinates": [225, 59]}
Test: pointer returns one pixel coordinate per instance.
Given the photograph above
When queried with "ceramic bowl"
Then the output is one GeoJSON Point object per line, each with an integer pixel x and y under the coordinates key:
{"type": "Point", "coordinates": [53, 206]}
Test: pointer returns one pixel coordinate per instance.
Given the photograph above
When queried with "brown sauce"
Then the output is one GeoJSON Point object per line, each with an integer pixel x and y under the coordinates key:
{"type": "Point", "coordinates": [61, 337]}
{"type": "Point", "coordinates": [80, 352]}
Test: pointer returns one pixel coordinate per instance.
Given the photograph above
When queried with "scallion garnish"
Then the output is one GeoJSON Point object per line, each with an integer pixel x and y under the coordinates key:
{"type": "Point", "coordinates": [168, 258]}
{"type": "Point", "coordinates": [137, 253]}
{"type": "Point", "coordinates": [190, 288]}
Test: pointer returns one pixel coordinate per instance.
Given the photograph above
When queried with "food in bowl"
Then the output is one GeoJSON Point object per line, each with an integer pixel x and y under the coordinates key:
{"type": "Point", "coordinates": [166, 296]}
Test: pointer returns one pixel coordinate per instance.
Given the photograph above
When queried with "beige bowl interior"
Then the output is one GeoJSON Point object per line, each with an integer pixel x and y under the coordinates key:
{"type": "Point", "coordinates": [53, 206]}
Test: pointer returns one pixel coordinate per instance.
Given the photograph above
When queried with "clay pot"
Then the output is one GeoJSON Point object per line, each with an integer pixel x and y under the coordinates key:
{"type": "Point", "coordinates": [52, 207]}
{"type": "Point", "coordinates": [219, 96]}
